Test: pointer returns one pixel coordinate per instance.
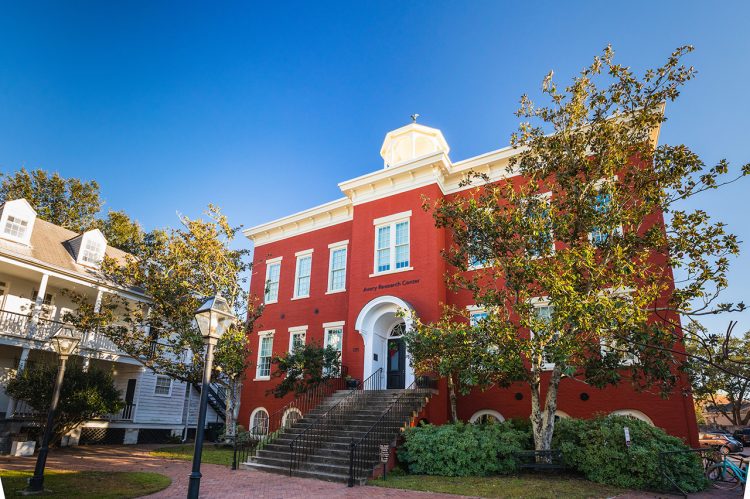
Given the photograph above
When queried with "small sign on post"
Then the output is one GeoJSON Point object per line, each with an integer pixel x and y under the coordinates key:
{"type": "Point", "coordinates": [627, 436]}
{"type": "Point", "coordinates": [385, 454]}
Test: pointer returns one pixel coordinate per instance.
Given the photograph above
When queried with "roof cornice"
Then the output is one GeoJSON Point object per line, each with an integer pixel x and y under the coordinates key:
{"type": "Point", "coordinates": [324, 215]}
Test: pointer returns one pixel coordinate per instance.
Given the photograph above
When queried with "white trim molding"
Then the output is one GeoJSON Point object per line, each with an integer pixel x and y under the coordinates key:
{"type": "Point", "coordinates": [486, 412]}
{"type": "Point", "coordinates": [396, 217]}
{"type": "Point", "coordinates": [334, 324]}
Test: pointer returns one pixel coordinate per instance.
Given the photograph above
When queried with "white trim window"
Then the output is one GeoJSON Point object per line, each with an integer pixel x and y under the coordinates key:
{"type": "Point", "coordinates": [265, 352]}
{"type": "Point", "coordinates": [16, 227]}
{"type": "Point", "coordinates": [543, 312]}
{"type": "Point", "coordinates": [92, 252]}
{"type": "Point", "coordinates": [486, 416]}
{"type": "Point", "coordinates": [334, 338]}
{"type": "Point", "coordinates": [392, 243]}
{"type": "Point", "coordinates": [302, 274]}
{"type": "Point", "coordinates": [259, 421]}
{"type": "Point", "coordinates": [536, 211]}
{"type": "Point", "coordinates": [337, 267]}
{"type": "Point", "coordinates": [297, 337]}
{"type": "Point", "coordinates": [273, 275]}
{"type": "Point", "coordinates": [163, 386]}
{"type": "Point", "coordinates": [476, 315]}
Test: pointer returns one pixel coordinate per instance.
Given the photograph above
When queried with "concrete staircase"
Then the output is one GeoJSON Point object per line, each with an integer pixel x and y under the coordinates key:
{"type": "Point", "coordinates": [331, 459]}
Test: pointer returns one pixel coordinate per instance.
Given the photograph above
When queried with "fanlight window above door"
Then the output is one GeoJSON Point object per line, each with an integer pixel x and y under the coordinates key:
{"type": "Point", "coordinates": [398, 330]}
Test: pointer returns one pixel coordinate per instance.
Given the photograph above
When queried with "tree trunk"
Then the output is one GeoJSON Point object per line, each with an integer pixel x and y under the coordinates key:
{"type": "Point", "coordinates": [230, 417]}
{"type": "Point", "coordinates": [543, 420]}
{"type": "Point", "coordinates": [452, 398]}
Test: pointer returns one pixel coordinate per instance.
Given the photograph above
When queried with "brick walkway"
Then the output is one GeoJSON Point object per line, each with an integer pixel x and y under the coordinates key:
{"type": "Point", "coordinates": [217, 482]}
{"type": "Point", "coordinates": [221, 482]}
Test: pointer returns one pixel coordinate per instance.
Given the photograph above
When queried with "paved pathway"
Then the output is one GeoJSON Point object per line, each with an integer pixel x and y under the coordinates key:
{"type": "Point", "coordinates": [217, 482]}
{"type": "Point", "coordinates": [221, 482]}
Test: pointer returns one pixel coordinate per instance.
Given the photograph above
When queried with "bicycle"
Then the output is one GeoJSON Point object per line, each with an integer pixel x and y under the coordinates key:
{"type": "Point", "coordinates": [726, 475]}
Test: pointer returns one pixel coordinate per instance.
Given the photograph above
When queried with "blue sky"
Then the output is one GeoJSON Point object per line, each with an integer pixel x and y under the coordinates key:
{"type": "Point", "coordinates": [262, 108]}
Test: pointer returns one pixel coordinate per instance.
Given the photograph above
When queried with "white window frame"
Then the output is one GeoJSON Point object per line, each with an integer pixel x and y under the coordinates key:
{"type": "Point", "coordinates": [486, 412]}
{"type": "Point", "coordinates": [633, 413]}
{"type": "Point", "coordinates": [628, 359]}
{"type": "Point", "coordinates": [262, 335]}
{"type": "Point", "coordinates": [539, 303]}
{"type": "Point", "coordinates": [91, 257]}
{"type": "Point", "coordinates": [156, 385]}
{"type": "Point", "coordinates": [334, 326]}
{"type": "Point", "coordinates": [391, 221]}
{"type": "Point", "coordinates": [332, 248]}
{"type": "Point", "coordinates": [548, 196]}
{"type": "Point", "coordinates": [301, 255]}
{"type": "Point", "coordinates": [297, 331]}
{"type": "Point", "coordinates": [598, 185]}
{"type": "Point", "coordinates": [475, 310]}
{"type": "Point", "coordinates": [251, 422]}
{"type": "Point", "coordinates": [21, 225]}
{"type": "Point", "coordinates": [271, 263]}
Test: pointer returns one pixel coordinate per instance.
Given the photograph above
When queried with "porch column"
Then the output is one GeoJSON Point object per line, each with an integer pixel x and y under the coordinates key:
{"type": "Point", "coordinates": [38, 304]}
{"type": "Point", "coordinates": [21, 366]}
{"type": "Point", "coordinates": [90, 336]}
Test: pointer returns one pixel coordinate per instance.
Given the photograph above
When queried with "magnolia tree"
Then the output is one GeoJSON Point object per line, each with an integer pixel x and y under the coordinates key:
{"type": "Point", "coordinates": [177, 269]}
{"type": "Point", "coordinates": [572, 255]}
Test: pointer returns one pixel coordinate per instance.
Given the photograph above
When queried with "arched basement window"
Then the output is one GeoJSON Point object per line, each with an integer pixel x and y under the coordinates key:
{"type": "Point", "coordinates": [486, 416]}
{"type": "Point", "coordinates": [259, 422]}
{"type": "Point", "coordinates": [633, 414]}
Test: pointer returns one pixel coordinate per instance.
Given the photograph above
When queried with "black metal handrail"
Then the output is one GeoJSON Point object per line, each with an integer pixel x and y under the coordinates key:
{"type": "Point", "coordinates": [364, 452]}
{"type": "Point", "coordinates": [319, 431]}
{"type": "Point", "coordinates": [246, 447]}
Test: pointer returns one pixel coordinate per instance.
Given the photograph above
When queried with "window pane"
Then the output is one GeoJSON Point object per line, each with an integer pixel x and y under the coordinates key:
{"type": "Point", "coordinates": [338, 259]}
{"type": "Point", "coordinates": [384, 237]}
{"type": "Point", "coordinates": [402, 233]}
{"type": "Point", "coordinates": [476, 317]}
{"type": "Point", "coordinates": [338, 269]}
{"type": "Point", "coordinates": [264, 359]}
{"type": "Point", "coordinates": [384, 260]}
{"type": "Point", "coordinates": [402, 256]}
{"type": "Point", "coordinates": [303, 275]}
{"type": "Point", "coordinates": [15, 226]}
{"type": "Point", "coordinates": [334, 339]}
{"type": "Point", "coordinates": [272, 282]}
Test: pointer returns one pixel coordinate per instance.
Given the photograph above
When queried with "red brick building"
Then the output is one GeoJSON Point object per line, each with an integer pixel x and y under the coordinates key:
{"type": "Point", "coordinates": [338, 273]}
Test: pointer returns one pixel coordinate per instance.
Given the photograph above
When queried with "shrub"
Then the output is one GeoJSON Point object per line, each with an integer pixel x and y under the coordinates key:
{"type": "Point", "coordinates": [461, 449]}
{"type": "Point", "coordinates": [596, 448]}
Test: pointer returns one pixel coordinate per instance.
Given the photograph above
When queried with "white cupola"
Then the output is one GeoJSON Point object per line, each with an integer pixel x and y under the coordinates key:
{"type": "Point", "coordinates": [17, 221]}
{"type": "Point", "coordinates": [411, 142]}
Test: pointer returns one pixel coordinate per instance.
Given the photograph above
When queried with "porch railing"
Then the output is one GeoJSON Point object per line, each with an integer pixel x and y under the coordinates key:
{"type": "Point", "coordinates": [330, 422]}
{"type": "Point", "coordinates": [266, 432]}
{"type": "Point", "coordinates": [20, 325]}
{"type": "Point", "coordinates": [364, 452]}
{"type": "Point", "coordinates": [126, 414]}
{"type": "Point", "coordinates": [22, 410]}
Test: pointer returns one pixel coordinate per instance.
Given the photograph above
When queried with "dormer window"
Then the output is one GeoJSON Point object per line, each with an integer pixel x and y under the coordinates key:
{"type": "Point", "coordinates": [16, 227]}
{"type": "Point", "coordinates": [17, 219]}
{"type": "Point", "coordinates": [92, 252]}
{"type": "Point", "coordinates": [89, 248]}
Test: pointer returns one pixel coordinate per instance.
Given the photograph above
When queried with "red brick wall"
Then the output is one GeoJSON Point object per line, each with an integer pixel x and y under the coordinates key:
{"type": "Point", "coordinates": [425, 290]}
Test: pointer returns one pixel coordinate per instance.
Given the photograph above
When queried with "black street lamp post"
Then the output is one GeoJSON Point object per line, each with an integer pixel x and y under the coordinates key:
{"type": "Point", "coordinates": [213, 318]}
{"type": "Point", "coordinates": [64, 341]}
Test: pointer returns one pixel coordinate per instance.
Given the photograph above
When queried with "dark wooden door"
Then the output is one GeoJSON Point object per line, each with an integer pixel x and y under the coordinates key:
{"type": "Point", "coordinates": [130, 391]}
{"type": "Point", "coordinates": [396, 364]}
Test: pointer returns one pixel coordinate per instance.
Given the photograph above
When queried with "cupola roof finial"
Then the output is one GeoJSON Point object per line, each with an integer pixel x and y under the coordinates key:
{"type": "Point", "coordinates": [414, 117]}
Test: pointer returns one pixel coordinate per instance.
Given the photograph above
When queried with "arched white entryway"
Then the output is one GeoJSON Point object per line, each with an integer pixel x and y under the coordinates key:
{"type": "Point", "coordinates": [375, 322]}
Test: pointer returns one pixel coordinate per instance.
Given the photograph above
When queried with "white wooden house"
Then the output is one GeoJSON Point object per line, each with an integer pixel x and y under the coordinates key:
{"type": "Point", "coordinates": [38, 262]}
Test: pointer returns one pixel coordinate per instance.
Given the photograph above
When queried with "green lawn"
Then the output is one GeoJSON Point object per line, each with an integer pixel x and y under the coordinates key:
{"type": "Point", "coordinates": [88, 484]}
{"type": "Point", "coordinates": [525, 486]}
{"type": "Point", "coordinates": [211, 454]}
